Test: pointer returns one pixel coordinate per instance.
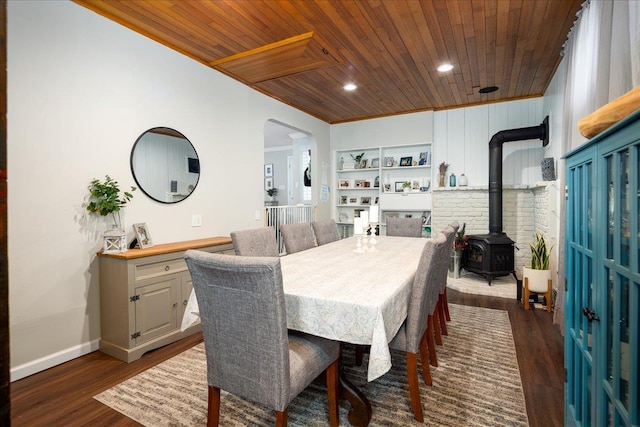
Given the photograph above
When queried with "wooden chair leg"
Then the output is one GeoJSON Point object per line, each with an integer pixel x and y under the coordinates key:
{"type": "Point", "coordinates": [332, 393]}
{"type": "Point", "coordinates": [414, 388]}
{"type": "Point", "coordinates": [424, 360]}
{"type": "Point", "coordinates": [548, 295]}
{"type": "Point", "coordinates": [525, 293]}
{"type": "Point", "coordinates": [213, 411]}
{"type": "Point", "coordinates": [436, 325]}
{"type": "Point", "coordinates": [445, 302]}
{"type": "Point", "coordinates": [282, 418]}
{"type": "Point", "coordinates": [430, 342]}
{"type": "Point", "coordinates": [443, 323]}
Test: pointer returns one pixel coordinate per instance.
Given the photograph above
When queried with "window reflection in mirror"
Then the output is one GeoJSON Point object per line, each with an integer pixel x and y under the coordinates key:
{"type": "Point", "coordinates": [165, 165]}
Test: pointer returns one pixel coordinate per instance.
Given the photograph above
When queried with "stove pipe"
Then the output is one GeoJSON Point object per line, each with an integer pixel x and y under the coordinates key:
{"type": "Point", "coordinates": [495, 166]}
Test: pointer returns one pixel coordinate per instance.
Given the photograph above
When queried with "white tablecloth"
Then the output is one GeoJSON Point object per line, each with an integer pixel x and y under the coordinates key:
{"type": "Point", "coordinates": [360, 298]}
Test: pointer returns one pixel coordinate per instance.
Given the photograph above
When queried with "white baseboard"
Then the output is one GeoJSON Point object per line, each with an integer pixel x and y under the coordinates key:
{"type": "Point", "coordinates": [52, 360]}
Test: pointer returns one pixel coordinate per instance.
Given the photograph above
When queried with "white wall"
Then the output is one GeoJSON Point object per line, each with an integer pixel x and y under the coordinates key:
{"type": "Point", "coordinates": [461, 139]}
{"type": "Point", "coordinates": [81, 89]}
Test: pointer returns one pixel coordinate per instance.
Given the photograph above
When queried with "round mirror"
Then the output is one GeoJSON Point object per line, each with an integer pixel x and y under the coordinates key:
{"type": "Point", "coordinates": [165, 165]}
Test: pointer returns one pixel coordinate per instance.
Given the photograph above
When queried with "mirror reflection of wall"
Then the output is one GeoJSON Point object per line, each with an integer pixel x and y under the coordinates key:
{"type": "Point", "coordinates": [165, 165]}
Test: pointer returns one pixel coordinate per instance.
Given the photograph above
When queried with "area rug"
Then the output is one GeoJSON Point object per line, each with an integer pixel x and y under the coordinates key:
{"type": "Point", "coordinates": [477, 383]}
{"type": "Point", "coordinates": [471, 283]}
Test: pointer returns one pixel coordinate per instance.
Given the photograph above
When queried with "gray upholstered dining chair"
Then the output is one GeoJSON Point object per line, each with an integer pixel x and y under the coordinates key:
{"type": "Point", "coordinates": [249, 351]}
{"type": "Point", "coordinates": [297, 237]}
{"type": "Point", "coordinates": [413, 334]}
{"type": "Point", "coordinates": [443, 303]}
{"type": "Point", "coordinates": [325, 231]}
{"type": "Point", "coordinates": [255, 242]}
{"type": "Point", "coordinates": [405, 227]}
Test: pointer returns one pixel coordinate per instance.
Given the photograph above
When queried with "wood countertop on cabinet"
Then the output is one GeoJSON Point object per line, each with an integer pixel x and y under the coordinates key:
{"type": "Point", "coordinates": [169, 247]}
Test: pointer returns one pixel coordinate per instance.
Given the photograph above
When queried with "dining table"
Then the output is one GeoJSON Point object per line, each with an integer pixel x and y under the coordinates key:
{"type": "Point", "coordinates": [350, 291]}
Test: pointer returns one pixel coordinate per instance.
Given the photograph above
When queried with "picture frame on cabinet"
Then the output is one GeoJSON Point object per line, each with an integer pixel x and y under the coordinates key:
{"type": "Point", "coordinates": [388, 162]}
{"type": "Point", "coordinates": [353, 200]}
{"type": "Point", "coordinates": [375, 163]}
{"type": "Point", "coordinates": [365, 200]}
{"type": "Point", "coordinates": [268, 169]}
{"type": "Point", "coordinates": [406, 161]}
{"type": "Point", "coordinates": [344, 183]}
{"type": "Point", "coordinates": [387, 188]}
{"type": "Point", "coordinates": [416, 184]}
{"type": "Point", "coordinates": [398, 186]}
{"type": "Point", "coordinates": [142, 234]}
{"type": "Point", "coordinates": [344, 200]}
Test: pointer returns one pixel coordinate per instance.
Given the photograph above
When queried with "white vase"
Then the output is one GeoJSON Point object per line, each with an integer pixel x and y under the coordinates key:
{"type": "Point", "coordinates": [115, 241]}
{"type": "Point", "coordinates": [537, 279]}
{"type": "Point", "coordinates": [462, 181]}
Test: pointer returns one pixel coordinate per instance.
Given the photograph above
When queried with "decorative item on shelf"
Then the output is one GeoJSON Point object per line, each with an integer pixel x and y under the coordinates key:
{"type": "Point", "coordinates": [388, 162]}
{"type": "Point", "coordinates": [376, 182]}
{"type": "Point", "coordinates": [405, 161]}
{"type": "Point", "coordinates": [537, 279]}
{"type": "Point", "coordinates": [105, 199]}
{"type": "Point", "coordinates": [425, 158]}
{"type": "Point", "coordinates": [341, 163]}
{"type": "Point", "coordinates": [443, 172]}
{"type": "Point", "coordinates": [357, 159]}
{"type": "Point", "coordinates": [463, 181]}
{"type": "Point", "coordinates": [548, 169]}
{"type": "Point", "coordinates": [344, 183]}
{"type": "Point", "coordinates": [406, 186]}
{"type": "Point", "coordinates": [375, 163]}
{"type": "Point", "coordinates": [452, 180]}
{"type": "Point", "coordinates": [387, 184]}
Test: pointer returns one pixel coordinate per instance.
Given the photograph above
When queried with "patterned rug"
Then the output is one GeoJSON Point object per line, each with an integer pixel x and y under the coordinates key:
{"type": "Point", "coordinates": [477, 383]}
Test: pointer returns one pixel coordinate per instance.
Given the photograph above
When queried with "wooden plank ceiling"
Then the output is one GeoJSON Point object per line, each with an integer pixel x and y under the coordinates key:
{"type": "Point", "coordinates": [302, 52]}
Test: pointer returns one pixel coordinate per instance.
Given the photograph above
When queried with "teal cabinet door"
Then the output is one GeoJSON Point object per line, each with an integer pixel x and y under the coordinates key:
{"type": "Point", "coordinates": [602, 258]}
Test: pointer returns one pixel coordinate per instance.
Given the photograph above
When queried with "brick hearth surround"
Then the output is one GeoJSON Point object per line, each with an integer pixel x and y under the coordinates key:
{"type": "Point", "coordinates": [526, 209]}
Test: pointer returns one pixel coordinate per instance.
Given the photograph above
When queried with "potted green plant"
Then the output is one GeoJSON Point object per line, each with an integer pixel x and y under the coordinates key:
{"type": "Point", "coordinates": [357, 159]}
{"type": "Point", "coordinates": [406, 186]}
{"type": "Point", "coordinates": [537, 277]}
{"type": "Point", "coordinates": [272, 192]}
{"type": "Point", "coordinates": [105, 199]}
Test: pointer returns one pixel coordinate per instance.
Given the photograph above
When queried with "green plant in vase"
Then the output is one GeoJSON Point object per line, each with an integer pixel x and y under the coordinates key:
{"type": "Point", "coordinates": [106, 198]}
{"type": "Point", "coordinates": [272, 192]}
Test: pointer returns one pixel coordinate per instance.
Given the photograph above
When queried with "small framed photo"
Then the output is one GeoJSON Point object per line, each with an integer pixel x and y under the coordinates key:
{"type": "Point", "coordinates": [353, 200]}
{"type": "Point", "coordinates": [268, 169]}
{"type": "Point", "coordinates": [387, 188]}
{"type": "Point", "coordinates": [365, 200]}
{"type": "Point", "coordinates": [363, 164]}
{"type": "Point", "coordinates": [375, 163]}
{"type": "Point", "coordinates": [343, 217]}
{"type": "Point", "coordinates": [143, 236]}
{"type": "Point", "coordinates": [360, 183]}
{"type": "Point", "coordinates": [415, 185]}
{"type": "Point", "coordinates": [344, 200]}
{"type": "Point", "coordinates": [388, 162]}
{"type": "Point", "coordinates": [425, 158]}
{"type": "Point", "coordinates": [405, 161]}
{"type": "Point", "coordinates": [398, 186]}
{"type": "Point", "coordinates": [344, 183]}
{"type": "Point", "coordinates": [268, 183]}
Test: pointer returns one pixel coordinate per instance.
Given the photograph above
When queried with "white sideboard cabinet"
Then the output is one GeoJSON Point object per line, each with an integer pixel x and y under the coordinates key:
{"type": "Point", "coordinates": [143, 293]}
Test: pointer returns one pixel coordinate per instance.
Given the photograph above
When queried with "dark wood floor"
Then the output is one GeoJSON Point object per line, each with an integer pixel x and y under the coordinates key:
{"type": "Point", "coordinates": [63, 395]}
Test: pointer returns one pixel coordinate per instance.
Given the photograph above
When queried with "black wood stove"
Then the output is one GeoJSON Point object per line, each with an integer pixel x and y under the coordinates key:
{"type": "Point", "coordinates": [492, 255]}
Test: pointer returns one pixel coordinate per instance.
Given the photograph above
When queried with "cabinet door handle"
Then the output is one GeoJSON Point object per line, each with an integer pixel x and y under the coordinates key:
{"type": "Point", "coordinates": [184, 302]}
{"type": "Point", "coordinates": [167, 268]}
{"type": "Point", "coordinates": [591, 315]}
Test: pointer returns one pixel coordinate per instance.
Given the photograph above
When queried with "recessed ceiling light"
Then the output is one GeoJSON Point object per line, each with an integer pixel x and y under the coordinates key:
{"type": "Point", "coordinates": [488, 89]}
{"type": "Point", "coordinates": [445, 67]}
{"type": "Point", "coordinates": [350, 87]}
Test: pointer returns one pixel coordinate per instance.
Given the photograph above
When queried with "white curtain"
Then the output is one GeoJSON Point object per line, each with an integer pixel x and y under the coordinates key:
{"type": "Point", "coordinates": [602, 57]}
